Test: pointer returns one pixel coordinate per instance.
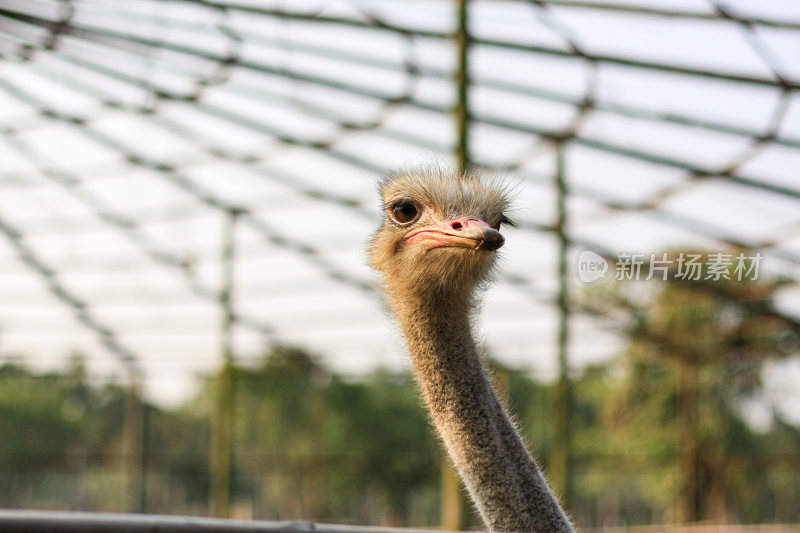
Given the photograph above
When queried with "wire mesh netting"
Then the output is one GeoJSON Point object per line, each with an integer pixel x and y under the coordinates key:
{"type": "Point", "coordinates": [134, 135]}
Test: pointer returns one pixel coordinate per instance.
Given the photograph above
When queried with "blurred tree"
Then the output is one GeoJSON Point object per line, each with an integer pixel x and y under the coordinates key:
{"type": "Point", "coordinates": [176, 453]}
{"type": "Point", "coordinates": [379, 426]}
{"type": "Point", "coordinates": [38, 415]}
{"type": "Point", "coordinates": [311, 444]}
{"type": "Point", "coordinates": [56, 423]}
{"type": "Point", "coordinates": [693, 363]}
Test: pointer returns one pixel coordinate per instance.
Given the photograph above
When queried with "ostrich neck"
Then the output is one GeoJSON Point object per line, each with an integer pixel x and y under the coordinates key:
{"type": "Point", "coordinates": [502, 478]}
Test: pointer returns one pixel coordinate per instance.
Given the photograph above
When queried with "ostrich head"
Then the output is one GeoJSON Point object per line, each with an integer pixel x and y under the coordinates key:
{"type": "Point", "coordinates": [439, 234]}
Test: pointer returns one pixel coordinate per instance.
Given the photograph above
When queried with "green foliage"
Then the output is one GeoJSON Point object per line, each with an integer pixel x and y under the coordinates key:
{"type": "Point", "coordinates": [310, 443]}
{"type": "Point", "coordinates": [43, 417]}
{"type": "Point", "coordinates": [675, 416]}
{"type": "Point", "coordinates": [53, 423]}
{"type": "Point", "coordinates": [329, 447]}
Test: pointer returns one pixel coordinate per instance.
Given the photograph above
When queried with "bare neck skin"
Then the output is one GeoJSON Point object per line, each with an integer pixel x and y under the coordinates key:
{"type": "Point", "coordinates": [502, 478]}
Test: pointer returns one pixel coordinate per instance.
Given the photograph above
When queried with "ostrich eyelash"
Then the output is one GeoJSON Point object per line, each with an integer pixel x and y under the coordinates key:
{"type": "Point", "coordinates": [508, 222]}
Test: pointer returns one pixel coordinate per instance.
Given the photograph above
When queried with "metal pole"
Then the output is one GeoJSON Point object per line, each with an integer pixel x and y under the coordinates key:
{"type": "Point", "coordinates": [14, 521]}
{"type": "Point", "coordinates": [134, 435]}
{"type": "Point", "coordinates": [145, 456]}
{"type": "Point", "coordinates": [222, 420]}
{"type": "Point", "coordinates": [454, 508]}
{"type": "Point", "coordinates": [561, 455]}
{"type": "Point", "coordinates": [461, 109]}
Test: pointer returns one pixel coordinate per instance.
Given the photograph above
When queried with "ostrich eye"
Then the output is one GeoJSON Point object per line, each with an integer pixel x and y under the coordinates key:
{"type": "Point", "coordinates": [405, 212]}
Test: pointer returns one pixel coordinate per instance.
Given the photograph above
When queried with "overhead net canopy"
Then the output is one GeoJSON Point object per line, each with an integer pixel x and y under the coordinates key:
{"type": "Point", "coordinates": [131, 132]}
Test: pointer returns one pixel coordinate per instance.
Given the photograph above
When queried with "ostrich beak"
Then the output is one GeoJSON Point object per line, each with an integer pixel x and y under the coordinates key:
{"type": "Point", "coordinates": [465, 232]}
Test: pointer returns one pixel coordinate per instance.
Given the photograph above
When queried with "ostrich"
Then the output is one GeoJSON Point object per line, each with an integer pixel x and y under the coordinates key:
{"type": "Point", "coordinates": [435, 249]}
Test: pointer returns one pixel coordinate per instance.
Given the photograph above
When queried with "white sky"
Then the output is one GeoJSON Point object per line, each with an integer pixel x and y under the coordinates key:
{"type": "Point", "coordinates": [174, 332]}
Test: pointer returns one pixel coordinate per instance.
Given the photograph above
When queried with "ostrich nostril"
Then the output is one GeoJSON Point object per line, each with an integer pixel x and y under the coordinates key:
{"type": "Point", "coordinates": [456, 225]}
